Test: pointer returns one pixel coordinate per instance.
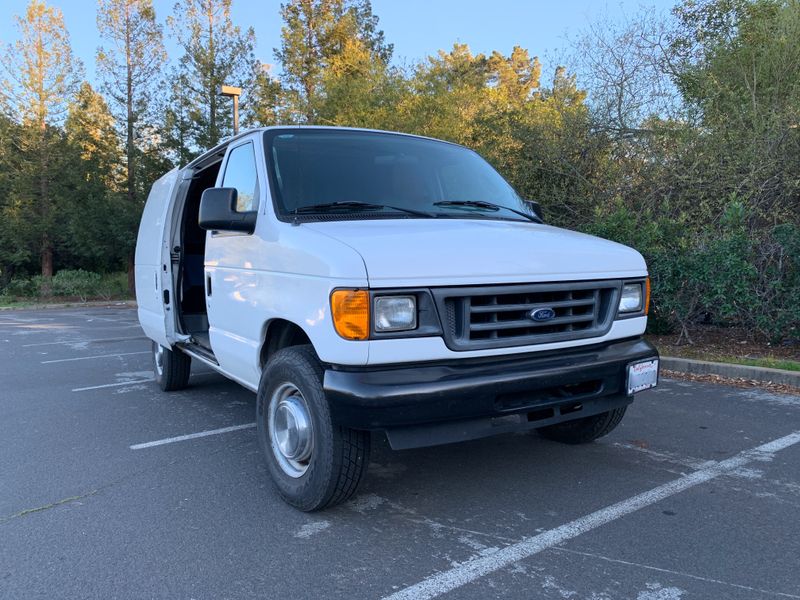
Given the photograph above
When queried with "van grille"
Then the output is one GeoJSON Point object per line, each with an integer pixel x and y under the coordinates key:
{"type": "Point", "coordinates": [501, 316]}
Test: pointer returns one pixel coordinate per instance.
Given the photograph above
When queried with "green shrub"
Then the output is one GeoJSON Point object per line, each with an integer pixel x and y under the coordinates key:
{"type": "Point", "coordinates": [80, 283]}
{"type": "Point", "coordinates": [113, 285]}
{"type": "Point", "coordinates": [21, 287]}
{"type": "Point", "coordinates": [725, 275]}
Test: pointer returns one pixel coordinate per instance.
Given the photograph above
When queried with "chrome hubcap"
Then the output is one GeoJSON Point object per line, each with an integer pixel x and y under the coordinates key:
{"type": "Point", "coordinates": [158, 355]}
{"type": "Point", "coordinates": [290, 430]}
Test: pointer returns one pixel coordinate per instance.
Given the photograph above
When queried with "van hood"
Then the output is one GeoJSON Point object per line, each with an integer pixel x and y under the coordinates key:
{"type": "Point", "coordinates": [416, 252]}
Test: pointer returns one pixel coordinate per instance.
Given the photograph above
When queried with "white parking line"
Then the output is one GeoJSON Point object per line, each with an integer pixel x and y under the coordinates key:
{"type": "Point", "coordinates": [108, 385]}
{"type": "Point", "coordinates": [128, 339]}
{"type": "Point", "coordinates": [134, 381]}
{"type": "Point", "coordinates": [484, 564]}
{"type": "Point", "coordinates": [192, 436]}
{"type": "Point", "coordinates": [60, 360]}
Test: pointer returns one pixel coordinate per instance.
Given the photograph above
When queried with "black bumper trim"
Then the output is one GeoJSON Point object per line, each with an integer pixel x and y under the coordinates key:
{"type": "Point", "coordinates": [411, 395]}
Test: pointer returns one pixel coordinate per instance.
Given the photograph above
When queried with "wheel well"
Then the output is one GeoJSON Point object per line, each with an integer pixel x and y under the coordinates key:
{"type": "Point", "coordinates": [281, 334]}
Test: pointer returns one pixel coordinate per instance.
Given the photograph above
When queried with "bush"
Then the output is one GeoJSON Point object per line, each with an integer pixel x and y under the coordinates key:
{"type": "Point", "coordinates": [80, 283]}
{"type": "Point", "coordinates": [113, 285]}
{"type": "Point", "coordinates": [68, 283]}
{"type": "Point", "coordinates": [21, 287]}
{"type": "Point", "coordinates": [727, 276]}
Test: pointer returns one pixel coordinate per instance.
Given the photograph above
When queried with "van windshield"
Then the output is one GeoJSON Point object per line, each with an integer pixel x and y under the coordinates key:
{"type": "Point", "coordinates": [360, 174]}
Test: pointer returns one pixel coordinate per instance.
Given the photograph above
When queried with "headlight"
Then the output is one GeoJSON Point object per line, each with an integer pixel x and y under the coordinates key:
{"type": "Point", "coordinates": [632, 298]}
{"type": "Point", "coordinates": [395, 313]}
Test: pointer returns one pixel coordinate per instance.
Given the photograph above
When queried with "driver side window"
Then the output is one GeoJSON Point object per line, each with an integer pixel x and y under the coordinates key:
{"type": "Point", "coordinates": [240, 173]}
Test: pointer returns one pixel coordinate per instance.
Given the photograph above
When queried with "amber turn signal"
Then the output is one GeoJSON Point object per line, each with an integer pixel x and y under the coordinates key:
{"type": "Point", "coordinates": [646, 295]}
{"type": "Point", "coordinates": [350, 310]}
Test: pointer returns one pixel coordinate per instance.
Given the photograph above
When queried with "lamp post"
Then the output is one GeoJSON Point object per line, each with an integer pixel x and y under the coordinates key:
{"type": "Point", "coordinates": [233, 92]}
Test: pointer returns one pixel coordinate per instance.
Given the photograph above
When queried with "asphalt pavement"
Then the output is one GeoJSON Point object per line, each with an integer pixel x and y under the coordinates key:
{"type": "Point", "coordinates": [110, 488]}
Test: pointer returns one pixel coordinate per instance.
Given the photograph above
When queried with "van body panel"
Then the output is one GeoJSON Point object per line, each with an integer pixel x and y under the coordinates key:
{"type": "Point", "coordinates": [448, 251]}
{"type": "Point", "coordinates": [153, 269]}
{"type": "Point", "coordinates": [256, 279]}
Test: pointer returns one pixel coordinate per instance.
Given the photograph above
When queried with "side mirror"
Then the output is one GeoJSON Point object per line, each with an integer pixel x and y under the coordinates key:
{"type": "Point", "coordinates": [218, 212]}
{"type": "Point", "coordinates": [536, 208]}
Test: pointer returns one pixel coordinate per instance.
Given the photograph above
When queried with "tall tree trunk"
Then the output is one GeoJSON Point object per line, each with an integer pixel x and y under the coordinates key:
{"type": "Point", "coordinates": [47, 257]}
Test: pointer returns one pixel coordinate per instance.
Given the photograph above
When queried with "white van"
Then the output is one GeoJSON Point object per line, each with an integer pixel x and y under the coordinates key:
{"type": "Point", "coordinates": [362, 281]}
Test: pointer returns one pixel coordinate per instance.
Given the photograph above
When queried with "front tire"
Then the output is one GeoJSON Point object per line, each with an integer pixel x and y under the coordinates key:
{"type": "Point", "coordinates": [171, 368]}
{"type": "Point", "coordinates": [585, 430]}
{"type": "Point", "coordinates": [313, 462]}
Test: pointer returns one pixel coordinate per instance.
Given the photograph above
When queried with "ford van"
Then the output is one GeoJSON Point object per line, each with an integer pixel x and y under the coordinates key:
{"type": "Point", "coordinates": [364, 281]}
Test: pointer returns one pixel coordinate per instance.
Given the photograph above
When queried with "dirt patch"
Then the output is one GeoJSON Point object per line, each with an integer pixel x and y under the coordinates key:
{"type": "Point", "coordinates": [722, 343]}
{"type": "Point", "coordinates": [740, 383]}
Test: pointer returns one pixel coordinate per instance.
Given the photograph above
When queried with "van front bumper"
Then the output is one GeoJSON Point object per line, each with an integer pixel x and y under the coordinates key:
{"type": "Point", "coordinates": [433, 403]}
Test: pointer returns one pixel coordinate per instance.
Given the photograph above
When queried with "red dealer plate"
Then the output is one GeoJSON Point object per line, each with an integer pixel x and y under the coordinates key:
{"type": "Point", "coordinates": [642, 376]}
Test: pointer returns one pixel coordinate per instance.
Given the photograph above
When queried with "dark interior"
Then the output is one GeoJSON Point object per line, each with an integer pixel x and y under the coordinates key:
{"type": "Point", "coordinates": [191, 277]}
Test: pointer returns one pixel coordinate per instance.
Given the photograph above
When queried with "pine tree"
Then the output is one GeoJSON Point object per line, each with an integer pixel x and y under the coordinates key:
{"type": "Point", "coordinates": [313, 34]}
{"type": "Point", "coordinates": [42, 76]}
{"type": "Point", "coordinates": [215, 52]}
{"type": "Point", "coordinates": [95, 178]}
{"type": "Point", "coordinates": [130, 66]}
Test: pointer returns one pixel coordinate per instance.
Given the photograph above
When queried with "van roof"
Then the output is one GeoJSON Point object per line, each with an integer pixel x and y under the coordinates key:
{"type": "Point", "coordinates": [220, 148]}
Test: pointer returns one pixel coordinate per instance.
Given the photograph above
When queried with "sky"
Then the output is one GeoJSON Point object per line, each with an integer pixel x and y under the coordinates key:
{"type": "Point", "coordinates": [417, 28]}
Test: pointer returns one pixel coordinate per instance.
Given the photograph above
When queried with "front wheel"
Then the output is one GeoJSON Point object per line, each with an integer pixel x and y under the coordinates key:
{"type": "Point", "coordinates": [313, 462]}
{"type": "Point", "coordinates": [587, 429]}
{"type": "Point", "coordinates": [171, 367]}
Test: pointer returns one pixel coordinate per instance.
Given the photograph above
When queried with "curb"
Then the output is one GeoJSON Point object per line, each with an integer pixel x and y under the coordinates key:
{"type": "Point", "coordinates": [731, 371]}
{"type": "Point", "coordinates": [90, 303]}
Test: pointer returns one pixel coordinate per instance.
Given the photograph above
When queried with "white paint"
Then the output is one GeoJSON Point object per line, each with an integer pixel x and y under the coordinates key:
{"type": "Point", "coordinates": [85, 341]}
{"type": "Point", "coordinates": [192, 436]}
{"type": "Point", "coordinates": [60, 360]}
{"type": "Point", "coordinates": [309, 529]}
{"type": "Point", "coordinates": [143, 377]}
{"type": "Point", "coordinates": [757, 395]}
{"type": "Point", "coordinates": [479, 566]}
{"type": "Point", "coordinates": [672, 572]}
{"type": "Point", "coordinates": [361, 504]}
{"type": "Point", "coordinates": [655, 591]}
{"type": "Point", "coordinates": [670, 457]}
{"type": "Point", "coordinates": [110, 385]}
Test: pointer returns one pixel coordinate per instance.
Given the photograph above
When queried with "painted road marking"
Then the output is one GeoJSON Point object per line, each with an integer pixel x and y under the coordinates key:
{"type": "Point", "coordinates": [128, 339]}
{"type": "Point", "coordinates": [108, 385]}
{"type": "Point", "coordinates": [481, 565]}
{"type": "Point", "coordinates": [192, 436]}
{"type": "Point", "coordinates": [60, 360]}
{"type": "Point", "coordinates": [134, 381]}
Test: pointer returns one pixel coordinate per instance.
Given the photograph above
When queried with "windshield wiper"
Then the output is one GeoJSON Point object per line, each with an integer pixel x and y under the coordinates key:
{"type": "Point", "coordinates": [487, 206]}
{"type": "Point", "coordinates": [355, 205]}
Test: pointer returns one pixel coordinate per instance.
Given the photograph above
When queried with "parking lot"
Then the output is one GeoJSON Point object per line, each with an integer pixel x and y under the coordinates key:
{"type": "Point", "coordinates": [110, 488]}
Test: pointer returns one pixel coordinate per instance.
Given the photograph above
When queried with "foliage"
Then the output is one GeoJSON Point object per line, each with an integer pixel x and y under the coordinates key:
{"type": "Point", "coordinates": [676, 134]}
{"type": "Point", "coordinates": [215, 52]}
{"type": "Point", "coordinates": [69, 284]}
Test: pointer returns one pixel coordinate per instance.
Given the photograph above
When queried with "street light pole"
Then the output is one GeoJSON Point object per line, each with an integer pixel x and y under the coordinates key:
{"type": "Point", "coordinates": [233, 92]}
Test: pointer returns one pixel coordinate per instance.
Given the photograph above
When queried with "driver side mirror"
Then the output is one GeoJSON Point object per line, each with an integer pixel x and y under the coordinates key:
{"type": "Point", "coordinates": [536, 208]}
{"type": "Point", "coordinates": [218, 212]}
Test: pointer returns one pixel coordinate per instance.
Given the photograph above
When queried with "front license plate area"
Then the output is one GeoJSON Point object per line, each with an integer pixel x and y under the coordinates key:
{"type": "Point", "coordinates": [642, 376]}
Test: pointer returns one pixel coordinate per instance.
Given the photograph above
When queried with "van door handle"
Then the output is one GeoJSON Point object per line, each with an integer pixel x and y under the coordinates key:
{"type": "Point", "coordinates": [208, 285]}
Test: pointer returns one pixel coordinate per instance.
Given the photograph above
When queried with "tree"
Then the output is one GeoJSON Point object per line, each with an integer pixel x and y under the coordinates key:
{"type": "Point", "coordinates": [94, 223]}
{"type": "Point", "coordinates": [215, 52]}
{"type": "Point", "coordinates": [314, 33]}
{"type": "Point", "coordinates": [42, 75]}
{"type": "Point", "coordinates": [129, 66]}
{"type": "Point", "coordinates": [266, 104]}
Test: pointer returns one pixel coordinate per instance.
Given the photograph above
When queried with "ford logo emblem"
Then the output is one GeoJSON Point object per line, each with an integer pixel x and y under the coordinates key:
{"type": "Point", "coordinates": [540, 315]}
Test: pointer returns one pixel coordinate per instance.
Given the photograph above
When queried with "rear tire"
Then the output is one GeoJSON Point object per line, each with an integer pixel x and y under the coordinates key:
{"type": "Point", "coordinates": [172, 368]}
{"type": "Point", "coordinates": [587, 429]}
{"type": "Point", "coordinates": [313, 462]}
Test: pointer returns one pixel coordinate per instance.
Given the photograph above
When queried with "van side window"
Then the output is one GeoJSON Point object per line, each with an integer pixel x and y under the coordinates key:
{"type": "Point", "coordinates": [240, 173]}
